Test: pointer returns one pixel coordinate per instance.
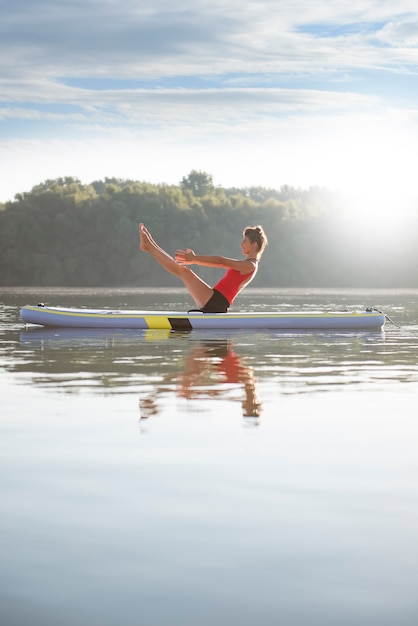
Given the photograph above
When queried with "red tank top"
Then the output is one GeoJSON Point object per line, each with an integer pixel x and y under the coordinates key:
{"type": "Point", "coordinates": [232, 283]}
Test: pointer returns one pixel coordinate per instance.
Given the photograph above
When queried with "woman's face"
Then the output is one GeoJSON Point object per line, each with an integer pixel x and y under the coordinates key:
{"type": "Point", "coordinates": [247, 247]}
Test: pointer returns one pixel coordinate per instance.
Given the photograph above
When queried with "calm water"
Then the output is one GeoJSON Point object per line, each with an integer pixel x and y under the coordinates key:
{"type": "Point", "coordinates": [162, 479]}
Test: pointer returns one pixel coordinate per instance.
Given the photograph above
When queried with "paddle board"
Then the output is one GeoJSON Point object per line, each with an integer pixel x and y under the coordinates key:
{"type": "Point", "coordinates": [368, 319]}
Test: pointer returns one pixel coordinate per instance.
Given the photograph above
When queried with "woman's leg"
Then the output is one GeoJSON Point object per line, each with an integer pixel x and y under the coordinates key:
{"type": "Point", "coordinates": [200, 291]}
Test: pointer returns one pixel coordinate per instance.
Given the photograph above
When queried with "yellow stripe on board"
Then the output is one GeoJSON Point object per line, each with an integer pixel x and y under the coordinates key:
{"type": "Point", "coordinates": [157, 321]}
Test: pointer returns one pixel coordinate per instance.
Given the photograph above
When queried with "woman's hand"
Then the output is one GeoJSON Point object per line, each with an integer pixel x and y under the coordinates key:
{"type": "Point", "coordinates": [185, 257]}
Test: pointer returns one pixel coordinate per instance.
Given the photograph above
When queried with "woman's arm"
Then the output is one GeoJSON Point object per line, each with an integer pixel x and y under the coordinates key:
{"type": "Point", "coordinates": [188, 257]}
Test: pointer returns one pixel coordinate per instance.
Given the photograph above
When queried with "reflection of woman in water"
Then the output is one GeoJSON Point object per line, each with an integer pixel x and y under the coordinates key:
{"type": "Point", "coordinates": [208, 358]}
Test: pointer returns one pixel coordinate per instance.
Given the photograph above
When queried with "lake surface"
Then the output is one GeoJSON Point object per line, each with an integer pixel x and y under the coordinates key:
{"type": "Point", "coordinates": [151, 478]}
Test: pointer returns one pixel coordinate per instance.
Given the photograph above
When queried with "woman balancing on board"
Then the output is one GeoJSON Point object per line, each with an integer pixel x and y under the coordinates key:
{"type": "Point", "coordinates": [238, 273]}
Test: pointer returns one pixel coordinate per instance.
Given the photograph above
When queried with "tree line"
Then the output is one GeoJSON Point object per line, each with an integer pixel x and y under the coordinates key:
{"type": "Point", "coordinates": [65, 233]}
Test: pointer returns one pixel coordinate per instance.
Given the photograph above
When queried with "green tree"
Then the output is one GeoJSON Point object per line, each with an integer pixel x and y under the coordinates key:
{"type": "Point", "coordinates": [66, 233]}
{"type": "Point", "coordinates": [199, 183]}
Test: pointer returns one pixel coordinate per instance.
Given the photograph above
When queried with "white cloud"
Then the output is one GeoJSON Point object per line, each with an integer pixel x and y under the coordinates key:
{"type": "Point", "coordinates": [255, 92]}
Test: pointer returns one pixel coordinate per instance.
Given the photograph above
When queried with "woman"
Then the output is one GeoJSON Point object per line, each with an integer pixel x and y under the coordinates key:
{"type": "Point", "coordinates": [238, 273]}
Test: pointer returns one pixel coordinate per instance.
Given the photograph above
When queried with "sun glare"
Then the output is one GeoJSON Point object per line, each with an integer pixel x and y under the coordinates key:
{"type": "Point", "coordinates": [374, 169]}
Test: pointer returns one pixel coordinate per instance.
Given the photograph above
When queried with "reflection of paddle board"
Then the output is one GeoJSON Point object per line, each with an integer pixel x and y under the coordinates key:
{"type": "Point", "coordinates": [369, 319]}
{"type": "Point", "coordinates": [90, 336]}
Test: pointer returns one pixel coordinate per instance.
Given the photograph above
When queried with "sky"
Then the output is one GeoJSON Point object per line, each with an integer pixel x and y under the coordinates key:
{"type": "Point", "coordinates": [255, 93]}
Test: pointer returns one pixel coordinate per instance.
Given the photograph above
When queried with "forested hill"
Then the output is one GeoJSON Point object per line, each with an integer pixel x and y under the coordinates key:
{"type": "Point", "coordinates": [65, 233]}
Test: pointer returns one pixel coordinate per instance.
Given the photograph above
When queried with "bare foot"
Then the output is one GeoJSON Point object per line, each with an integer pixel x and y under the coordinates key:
{"type": "Point", "coordinates": [148, 234]}
{"type": "Point", "coordinates": [144, 239]}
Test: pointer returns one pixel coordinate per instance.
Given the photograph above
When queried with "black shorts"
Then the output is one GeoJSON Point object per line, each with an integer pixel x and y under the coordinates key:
{"type": "Point", "coordinates": [216, 304]}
